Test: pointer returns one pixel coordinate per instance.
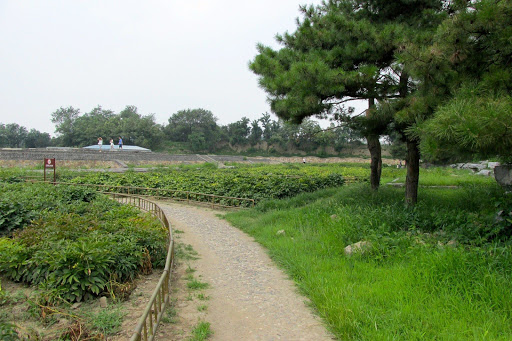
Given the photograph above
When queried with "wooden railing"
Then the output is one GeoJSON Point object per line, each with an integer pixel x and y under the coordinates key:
{"type": "Point", "coordinates": [212, 200]}
{"type": "Point", "coordinates": [150, 319]}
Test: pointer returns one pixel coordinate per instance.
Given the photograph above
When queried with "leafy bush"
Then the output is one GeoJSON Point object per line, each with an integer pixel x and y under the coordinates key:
{"type": "Point", "coordinates": [76, 249]}
{"type": "Point", "coordinates": [257, 182]}
{"type": "Point", "coordinates": [12, 216]}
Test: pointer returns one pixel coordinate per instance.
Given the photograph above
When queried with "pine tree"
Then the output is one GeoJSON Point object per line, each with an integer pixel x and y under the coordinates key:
{"type": "Point", "coordinates": [345, 50]}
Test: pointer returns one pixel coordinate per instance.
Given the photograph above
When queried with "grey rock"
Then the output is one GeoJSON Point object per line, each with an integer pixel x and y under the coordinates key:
{"type": "Point", "coordinates": [76, 305]}
{"type": "Point", "coordinates": [485, 172]}
{"type": "Point", "coordinates": [503, 175]}
{"type": "Point", "coordinates": [493, 165]}
{"type": "Point", "coordinates": [452, 243]}
{"type": "Point", "coordinates": [360, 246]}
{"type": "Point", "coordinates": [103, 302]}
{"type": "Point", "coordinates": [476, 167]}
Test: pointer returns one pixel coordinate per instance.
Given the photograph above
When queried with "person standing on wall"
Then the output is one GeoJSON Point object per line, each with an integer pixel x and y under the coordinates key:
{"type": "Point", "coordinates": [111, 144]}
{"type": "Point", "coordinates": [120, 143]}
{"type": "Point", "coordinates": [100, 143]}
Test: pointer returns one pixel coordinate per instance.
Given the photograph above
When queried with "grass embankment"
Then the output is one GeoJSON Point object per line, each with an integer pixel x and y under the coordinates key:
{"type": "Point", "coordinates": [412, 283]}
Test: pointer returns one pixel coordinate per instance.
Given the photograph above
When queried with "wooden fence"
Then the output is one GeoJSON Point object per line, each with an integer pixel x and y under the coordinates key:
{"type": "Point", "coordinates": [150, 319]}
{"type": "Point", "coordinates": [211, 200]}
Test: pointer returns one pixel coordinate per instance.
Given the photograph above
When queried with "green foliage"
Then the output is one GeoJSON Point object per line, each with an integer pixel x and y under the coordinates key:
{"type": "Point", "coordinates": [12, 216]}
{"type": "Point", "coordinates": [107, 321]}
{"type": "Point", "coordinates": [470, 125]}
{"type": "Point", "coordinates": [83, 130]}
{"type": "Point", "coordinates": [8, 332]}
{"type": "Point", "coordinates": [201, 332]}
{"type": "Point", "coordinates": [194, 284]}
{"type": "Point", "coordinates": [464, 76]}
{"type": "Point", "coordinates": [82, 244]}
{"type": "Point", "coordinates": [256, 182]}
{"type": "Point", "coordinates": [444, 251]}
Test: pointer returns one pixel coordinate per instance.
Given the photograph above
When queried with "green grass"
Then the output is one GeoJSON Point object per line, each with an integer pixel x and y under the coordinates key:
{"type": "Point", "coordinates": [409, 285]}
{"type": "Point", "coordinates": [108, 321]}
{"type": "Point", "coordinates": [170, 315]}
{"type": "Point", "coordinates": [201, 332]}
{"type": "Point", "coordinates": [438, 176]}
{"type": "Point", "coordinates": [203, 297]}
{"type": "Point", "coordinates": [195, 284]}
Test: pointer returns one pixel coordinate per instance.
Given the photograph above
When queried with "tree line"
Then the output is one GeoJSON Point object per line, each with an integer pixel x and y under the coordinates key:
{"type": "Point", "coordinates": [193, 130]}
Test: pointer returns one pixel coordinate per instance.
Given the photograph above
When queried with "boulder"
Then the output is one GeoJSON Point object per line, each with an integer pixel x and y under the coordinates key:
{"type": "Point", "coordinates": [475, 167]}
{"type": "Point", "coordinates": [503, 176]}
{"type": "Point", "coordinates": [360, 246]}
{"type": "Point", "coordinates": [492, 165]}
{"type": "Point", "coordinates": [485, 172]}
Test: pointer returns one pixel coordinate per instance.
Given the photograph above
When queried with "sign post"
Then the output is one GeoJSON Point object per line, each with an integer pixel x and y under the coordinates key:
{"type": "Point", "coordinates": [49, 163]}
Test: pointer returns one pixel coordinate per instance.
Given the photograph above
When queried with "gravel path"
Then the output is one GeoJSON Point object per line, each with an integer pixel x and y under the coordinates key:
{"type": "Point", "coordinates": [250, 298]}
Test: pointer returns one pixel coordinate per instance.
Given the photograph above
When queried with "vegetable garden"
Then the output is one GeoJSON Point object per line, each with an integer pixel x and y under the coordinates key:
{"type": "Point", "coordinates": [74, 244]}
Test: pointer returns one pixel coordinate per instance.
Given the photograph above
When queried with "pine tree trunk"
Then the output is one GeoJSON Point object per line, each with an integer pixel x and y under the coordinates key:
{"type": "Point", "coordinates": [413, 173]}
{"type": "Point", "coordinates": [376, 160]}
{"type": "Point", "coordinates": [375, 152]}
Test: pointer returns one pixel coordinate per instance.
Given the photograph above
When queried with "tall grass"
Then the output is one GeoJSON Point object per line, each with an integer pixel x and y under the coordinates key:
{"type": "Point", "coordinates": [438, 176]}
{"type": "Point", "coordinates": [409, 285]}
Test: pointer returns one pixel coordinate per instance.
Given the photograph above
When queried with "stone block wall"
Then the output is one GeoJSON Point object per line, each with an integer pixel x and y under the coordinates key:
{"type": "Point", "coordinates": [78, 154]}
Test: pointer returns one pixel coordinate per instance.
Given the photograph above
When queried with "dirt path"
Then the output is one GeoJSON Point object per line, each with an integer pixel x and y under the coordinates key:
{"type": "Point", "coordinates": [249, 298]}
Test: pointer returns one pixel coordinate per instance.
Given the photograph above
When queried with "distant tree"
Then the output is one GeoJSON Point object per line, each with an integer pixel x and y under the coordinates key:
{"type": "Point", "coordinates": [13, 135]}
{"type": "Point", "coordinates": [266, 122]}
{"type": "Point", "coordinates": [3, 136]}
{"type": "Point", "coordinates": [83, 130]}
{"type": "Point", "coordinates": [341, 137]}
{"type": "Point", "coordinates": [397, 149]}
{"type": "Point", "coordinates": [37, 139]}
{"type": "Point", "coordinates": [238, 132]}
{"type": "Point", "coordinates": [185, 122]}
{"type": "Point", "coordinates": [197, 141]}
{"type": "Point", "coordinates": [92, 125]}
{"type": "Point", "coordinates": [256, 133]}
{"type": "Point", "coordinates": [64, 119]}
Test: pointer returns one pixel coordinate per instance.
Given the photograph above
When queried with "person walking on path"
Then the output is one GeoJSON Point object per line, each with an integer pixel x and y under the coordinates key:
{"type": "Point", "coordinates": [120, 143]}
{"type": "Point", "coordinates": [100, 143]}
{"type": "Point", "coordinates": [111, 144]}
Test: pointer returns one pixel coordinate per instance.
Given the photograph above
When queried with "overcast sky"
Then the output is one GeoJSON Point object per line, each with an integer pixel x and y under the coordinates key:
{"type": "Point", "coordinates": [161, 56]}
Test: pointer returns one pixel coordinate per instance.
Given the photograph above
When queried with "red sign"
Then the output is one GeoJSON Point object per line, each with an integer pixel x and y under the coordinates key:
{"type": "Point", "coordinates": [49, 163]}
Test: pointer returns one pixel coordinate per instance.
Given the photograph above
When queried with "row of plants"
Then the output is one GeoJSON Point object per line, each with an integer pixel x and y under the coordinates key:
{"type": "Point", "coordinates": [258, 183]}
{"type": "Point", "coordinates": [439, 270]}
{"type": "Point", "coordinates": [74, 242]}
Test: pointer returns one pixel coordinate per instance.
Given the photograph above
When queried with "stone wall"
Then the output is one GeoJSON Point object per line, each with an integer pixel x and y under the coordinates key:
{"type": "Point", "coordinates": [67, 154]}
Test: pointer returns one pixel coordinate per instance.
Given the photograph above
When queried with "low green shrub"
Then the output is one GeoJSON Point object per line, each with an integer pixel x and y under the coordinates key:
{"type": "Point", "coordinates": [13, 216]}
{"type": "Point", "coordinates": [76, 249]}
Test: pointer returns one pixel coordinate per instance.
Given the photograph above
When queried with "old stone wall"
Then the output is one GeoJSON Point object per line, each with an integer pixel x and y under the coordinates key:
{"type": "Point", "coordinates": [67, 154]}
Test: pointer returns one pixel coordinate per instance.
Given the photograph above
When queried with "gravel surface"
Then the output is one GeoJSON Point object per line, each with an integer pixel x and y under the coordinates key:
{"type": "Point", "coordinates": [250, 298]}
